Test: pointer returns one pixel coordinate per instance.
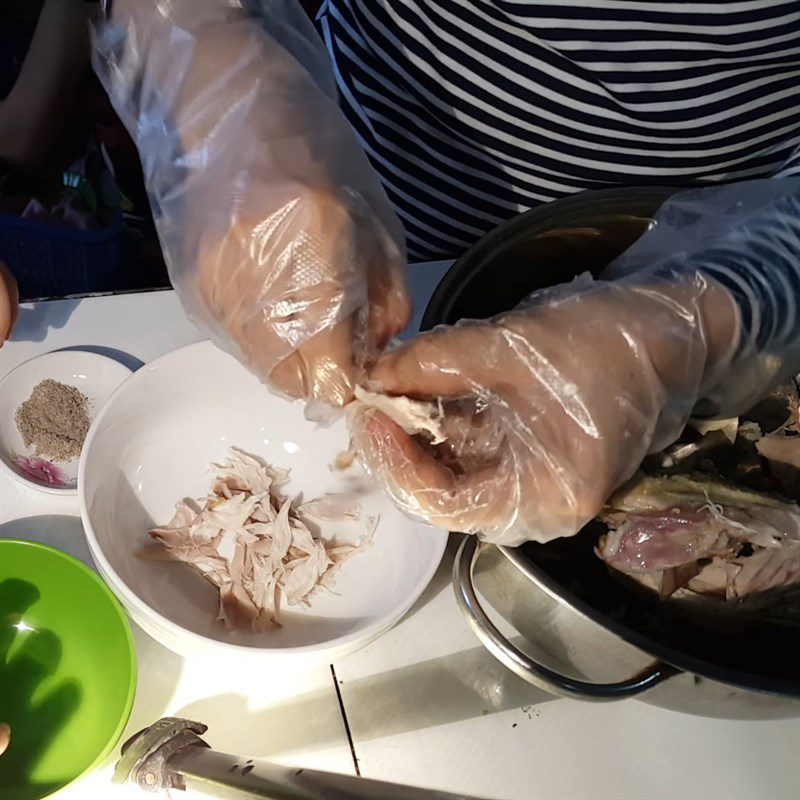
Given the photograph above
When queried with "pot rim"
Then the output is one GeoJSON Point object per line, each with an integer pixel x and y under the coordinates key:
{"type": "Point", "coordinates": [648, 645]}
{"type": "Point", "coordinates": [603, 202]}
{"type": "Point", "coordinates": [599, 204]}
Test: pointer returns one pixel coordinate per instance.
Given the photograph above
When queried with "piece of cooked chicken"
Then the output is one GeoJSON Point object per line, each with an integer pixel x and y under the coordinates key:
{"type": "Point", "coordinates": [699, 531]}
{"type": "Point", "coordinates": [413, 416]}
{"type": "Point", "coordinates": [254, 545]}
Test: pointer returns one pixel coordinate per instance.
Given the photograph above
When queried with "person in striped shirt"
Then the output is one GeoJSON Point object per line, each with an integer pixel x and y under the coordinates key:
{"type": "Point", "coordinates": [289, 180]}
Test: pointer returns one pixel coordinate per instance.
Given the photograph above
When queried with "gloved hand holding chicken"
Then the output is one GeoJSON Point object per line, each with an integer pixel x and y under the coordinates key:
{"type": "Point", "coordinates": [520, 427]}
{"type": "Point", "coordinates": [282, 244]}
{"type": "Point", "coordinates": [278, 236]}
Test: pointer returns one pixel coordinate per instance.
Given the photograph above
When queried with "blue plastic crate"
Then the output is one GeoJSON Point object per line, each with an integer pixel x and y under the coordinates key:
{"type": "Point", "coordinates": [51, 261]}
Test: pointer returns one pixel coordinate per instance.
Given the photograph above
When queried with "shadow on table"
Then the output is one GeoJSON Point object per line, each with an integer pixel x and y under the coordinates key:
{"type": "Point", "coordinates": [160, 671]}
{"type": "Point", "coordinates": [310, 721]}
{"type": "Point", "coordinates": [57, 530]}
{"type": "Point", "coordinates": [33, 326]}
{"type": "Point", "coordinates": [126, 359]}
{"type": "Point", "coordinates": [436, 692]}
{"type": "Point", "coordinates": [440, 691]}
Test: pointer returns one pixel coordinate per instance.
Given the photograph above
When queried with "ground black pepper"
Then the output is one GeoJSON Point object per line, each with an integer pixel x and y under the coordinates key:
{"type": "Point", "coordinates": [54, 420]}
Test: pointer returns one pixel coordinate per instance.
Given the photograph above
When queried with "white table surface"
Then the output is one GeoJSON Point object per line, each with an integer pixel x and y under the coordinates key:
{"type": "Point", "coordinates": [425, 703]}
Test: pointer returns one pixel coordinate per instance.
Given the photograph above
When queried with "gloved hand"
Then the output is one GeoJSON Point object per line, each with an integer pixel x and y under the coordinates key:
{"type": "Point", "coordinates": [278, 237]}
{"type": "Point", "coordinates": [549, 408]}
{"type": "Point", "coordinates": [546, 410]}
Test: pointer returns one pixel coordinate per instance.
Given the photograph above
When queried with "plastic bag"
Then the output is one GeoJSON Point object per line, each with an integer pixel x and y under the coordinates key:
{"type": "Point", "coordinates": [549, 408]}
{"type": "Point", "coordinates": [278, 237]}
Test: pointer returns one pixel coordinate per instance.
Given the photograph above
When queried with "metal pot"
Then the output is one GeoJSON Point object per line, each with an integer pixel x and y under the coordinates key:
{"type": "Point", "coordinates": [581, 632]}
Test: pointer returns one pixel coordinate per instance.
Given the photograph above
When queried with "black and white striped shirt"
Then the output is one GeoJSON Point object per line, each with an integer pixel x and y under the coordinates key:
{"type": "Point", "coordinates": [474, 110]}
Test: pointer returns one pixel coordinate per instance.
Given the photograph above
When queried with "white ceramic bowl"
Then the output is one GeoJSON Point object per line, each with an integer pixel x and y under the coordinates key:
{"type": "Point", "coordinates": [153, 444]}
{"type": "Point", "coordinates": [97, 376]}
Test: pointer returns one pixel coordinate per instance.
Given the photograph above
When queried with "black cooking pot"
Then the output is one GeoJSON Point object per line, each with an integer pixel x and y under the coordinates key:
{"type": "Point", "coordinates": [590, 635]}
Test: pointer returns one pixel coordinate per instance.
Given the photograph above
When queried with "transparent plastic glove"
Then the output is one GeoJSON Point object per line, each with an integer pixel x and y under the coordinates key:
{"type": "Point", "coordinates": [747, 236]}
{"type": "Point", "coordinates": [278, 237]}
{"type": "Point", "coordinates": [546, 410]}
{"type": "Point", "coordinates": [549, 408]}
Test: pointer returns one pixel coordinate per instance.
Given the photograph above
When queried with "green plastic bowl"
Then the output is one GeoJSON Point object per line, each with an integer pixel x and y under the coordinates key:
{"type": "Point", "coordinates": [67, 669]}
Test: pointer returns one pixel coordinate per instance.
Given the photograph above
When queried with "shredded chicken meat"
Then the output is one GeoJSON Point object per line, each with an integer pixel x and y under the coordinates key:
{"type": "Point", "coordinates": [257, 545]}
{"type": "Point", "coordinates": [413, 416]}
